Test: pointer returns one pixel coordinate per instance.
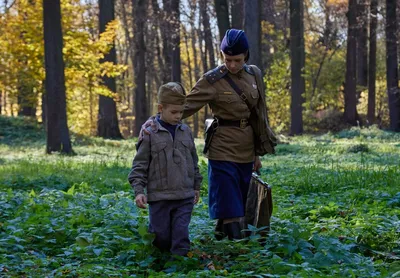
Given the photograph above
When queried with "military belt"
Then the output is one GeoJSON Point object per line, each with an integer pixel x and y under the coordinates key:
{"type": "Point", "coordinates": [242, 123]}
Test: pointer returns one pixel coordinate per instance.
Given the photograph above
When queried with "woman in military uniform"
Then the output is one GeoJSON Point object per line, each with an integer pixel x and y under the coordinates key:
{"type": "Point", "coordinates": [231, 153]}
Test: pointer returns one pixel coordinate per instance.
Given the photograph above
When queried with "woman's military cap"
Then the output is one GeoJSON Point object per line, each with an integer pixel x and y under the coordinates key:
{"type": "Point", "coordinates": [234, 42]}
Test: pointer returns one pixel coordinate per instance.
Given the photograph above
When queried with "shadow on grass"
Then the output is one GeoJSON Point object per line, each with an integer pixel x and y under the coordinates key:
{"type": "Point", "coordinates": [21, 131]}
{"type": "Point", "coordinates": [26, 132]}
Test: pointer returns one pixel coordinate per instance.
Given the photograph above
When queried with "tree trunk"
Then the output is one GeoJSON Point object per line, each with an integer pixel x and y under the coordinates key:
{"type": "Point", "coordinates": [267, 15]}
{"type": "Point", "coordinates": [153, 56]}
{"type": "Point", "coordinates": [297, 66]}
{"type": "Point", "coordinates": [57, 127]}
{"type": "Point", "coordinates": [237, 8]}
{"type": "Point", "coordinates": [362, 45]}
{"type": "Point", "coordinates": [196, 65]}
{"type": "Point", "coordinates": [372, 62]}
{"type": "Point", "coordinates": [107, 121]}
{"type": "Point", "coordinates": [176, 39]}
{"type": "Point", "coordinates": [252, 27]}
{"type": "Point", "coordinates": [159, 52]}
{"type": "Point", "coordinates": [207, 33]}
{"type": "Point", "coordinates": [44, 107]}
{"type": "Point", "coordinates": [27, 99]}
{"type": "Point", "coordinates": [203, 55]}
{"type": "Point", "coordinates": [222, 10]}
{"type": "Point", "coordinates": [141, 113]}
{"type": "Point", "coordinates": [391, 65]}
{"type": "Point", "coordinates": [166, 33]}
{"type": "Point", "coordinates": [350, 99]}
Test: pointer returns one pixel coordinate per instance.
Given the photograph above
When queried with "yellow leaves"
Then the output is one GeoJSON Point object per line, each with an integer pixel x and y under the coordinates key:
{"type": "Point", "coordinates": [337, 2]}
{"type": "Point", "coordinates": [22, 56]}
{"type": "Point", "coordinates": [111, 70]}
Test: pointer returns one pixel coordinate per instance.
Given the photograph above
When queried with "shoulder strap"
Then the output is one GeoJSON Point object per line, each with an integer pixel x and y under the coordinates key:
{"type": "Point", "coordinates": [216, 74]}
{"type": "Point", "coordinates": [238, 91]}
{"type": "Point", "coordinates": [249, 69]}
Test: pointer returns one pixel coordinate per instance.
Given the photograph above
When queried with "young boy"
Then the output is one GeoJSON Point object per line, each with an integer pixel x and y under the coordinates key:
{"type": "Point", "coordinates": [166, 165]}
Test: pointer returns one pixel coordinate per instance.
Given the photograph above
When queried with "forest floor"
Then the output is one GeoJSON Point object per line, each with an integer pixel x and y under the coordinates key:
{"type": "Point", "coordinates": [336, 211]}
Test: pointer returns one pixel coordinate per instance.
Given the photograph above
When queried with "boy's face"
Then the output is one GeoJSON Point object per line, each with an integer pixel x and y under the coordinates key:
{"type": "Point", "coordinates": [171, 113]}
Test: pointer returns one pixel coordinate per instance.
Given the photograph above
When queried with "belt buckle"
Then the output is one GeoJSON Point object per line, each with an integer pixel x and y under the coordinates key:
{"type": "Point", "coordinates": [243, 123]}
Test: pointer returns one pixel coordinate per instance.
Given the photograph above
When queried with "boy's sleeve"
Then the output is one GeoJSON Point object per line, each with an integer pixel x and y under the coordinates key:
{"type": "Point", "coordinates": [140, 165]}
{"type": "Point", "coordinates": [197, 176]}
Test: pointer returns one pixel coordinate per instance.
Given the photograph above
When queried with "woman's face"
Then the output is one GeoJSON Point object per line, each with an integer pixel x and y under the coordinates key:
{"type": "Point", "coordinates": [234, 63]}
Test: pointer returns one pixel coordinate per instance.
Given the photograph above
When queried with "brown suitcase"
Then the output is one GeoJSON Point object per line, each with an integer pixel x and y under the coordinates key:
{"type": "Point", "coordinates": [259, 205]}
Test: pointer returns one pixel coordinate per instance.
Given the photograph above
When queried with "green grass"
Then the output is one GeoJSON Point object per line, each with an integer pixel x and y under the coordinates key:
{"type": "Point", "coordinates": [336, 211]}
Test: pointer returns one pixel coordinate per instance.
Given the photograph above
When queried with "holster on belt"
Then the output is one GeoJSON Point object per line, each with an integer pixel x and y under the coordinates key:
{"type": "Point", "coordinates": [210, 127]}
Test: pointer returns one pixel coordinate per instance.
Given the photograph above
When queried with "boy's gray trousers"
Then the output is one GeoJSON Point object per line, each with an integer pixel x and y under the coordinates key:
{"type": "Point", "coordinates": [169, 221]}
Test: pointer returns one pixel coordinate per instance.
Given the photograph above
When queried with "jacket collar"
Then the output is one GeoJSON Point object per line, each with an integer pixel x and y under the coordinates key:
{"type": "Point", "coordinates": [160, 127]}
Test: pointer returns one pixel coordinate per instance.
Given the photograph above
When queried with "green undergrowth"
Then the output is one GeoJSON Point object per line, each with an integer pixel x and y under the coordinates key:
{"type": "Point", "coordinates": [336, 211]}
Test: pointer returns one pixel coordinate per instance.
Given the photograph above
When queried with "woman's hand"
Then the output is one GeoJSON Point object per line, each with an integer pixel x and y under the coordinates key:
{"type": "Point", "coordinates": [150, 122]}
{"type": "Point", "coordinates": [141, 201]}
{"type": "Point", "coordinates": [257, 165]}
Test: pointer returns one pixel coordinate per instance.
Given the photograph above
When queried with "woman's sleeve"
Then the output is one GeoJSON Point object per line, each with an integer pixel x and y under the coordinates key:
{"type": "Point", "coordinates": [201, 94]}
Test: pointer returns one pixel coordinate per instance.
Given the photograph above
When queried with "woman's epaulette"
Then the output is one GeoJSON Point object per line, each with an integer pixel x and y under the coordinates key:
{"type": "Point", "coordinates": [249, 69]}
{"type": "Point", "coordinates": [216, 74]}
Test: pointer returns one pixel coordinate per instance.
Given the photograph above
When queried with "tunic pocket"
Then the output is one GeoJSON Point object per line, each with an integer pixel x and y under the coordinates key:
{"type": "Point", "coordinates": [254, 94]}
{"type": "Point", "coordinates": [187, 145]}
{"type": "Point", "coordinates": [228, 98]}
{"type": "Point", "coordinates": [159, 160]}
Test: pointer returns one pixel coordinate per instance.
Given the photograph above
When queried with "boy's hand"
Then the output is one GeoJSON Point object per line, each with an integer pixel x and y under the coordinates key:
{"type": "Point", "coordinates": [141, 201]}
{"type": "Point", "coordinates": [196, 196]}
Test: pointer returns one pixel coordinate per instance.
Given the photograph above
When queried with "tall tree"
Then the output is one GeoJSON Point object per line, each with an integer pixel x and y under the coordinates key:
{"type": "Point", "coordinates": [252, 27]}
{"type": "Point", "coordinates": [195, 61]}
{"type": "Point", "coordinates": [297, 58]}
{"type": "Point", "coordinates": [268, 16]}
{"type": "Point", "coordinates": [362, 44]}
{"type": "Point", "coordinates": [222, 10]}
{"type": "Point", "coordinates": [170, 31]}
{"type": "Point", "coordinates": [237, 8]}
{"type": "Point", "coordinates": [107, 121]}
{"type": "Point", "coordinates": [176, 38]}
{"type": "Point", "coordinates": [166, 33]}
{"type": "Point", "coordinates": [207, 33]}
{"type": "Point", "coordinates": [161, 26]}
{"type": "Point", "coordinates": [372, 61]}
{"type": "Point", "coordinates": [27, 98]}
{"type": "Point", "coordinates": [350, 99]}
{"type": "Point", "coordinates": [57, 127]}
{"type": "Point", "coordinates": [141, 113]}
{"type": "Point", "coordinates": [392, 65]}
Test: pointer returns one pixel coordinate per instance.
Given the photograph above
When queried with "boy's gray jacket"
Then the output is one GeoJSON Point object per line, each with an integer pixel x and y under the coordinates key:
{"type": "Point", "coordinates": [167, 167]}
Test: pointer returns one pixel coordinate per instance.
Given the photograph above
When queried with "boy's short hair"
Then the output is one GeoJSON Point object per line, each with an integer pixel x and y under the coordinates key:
{"type": "Point", "coordinates": [171, 93]}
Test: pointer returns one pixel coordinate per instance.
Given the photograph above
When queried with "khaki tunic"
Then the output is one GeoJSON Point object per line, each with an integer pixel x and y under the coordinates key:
{"type": "Point", "coordinates": [229, 143]}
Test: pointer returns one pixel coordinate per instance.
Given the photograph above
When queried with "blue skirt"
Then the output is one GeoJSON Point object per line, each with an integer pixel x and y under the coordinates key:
{"type": "Point", "coordinates": [228, 184]}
